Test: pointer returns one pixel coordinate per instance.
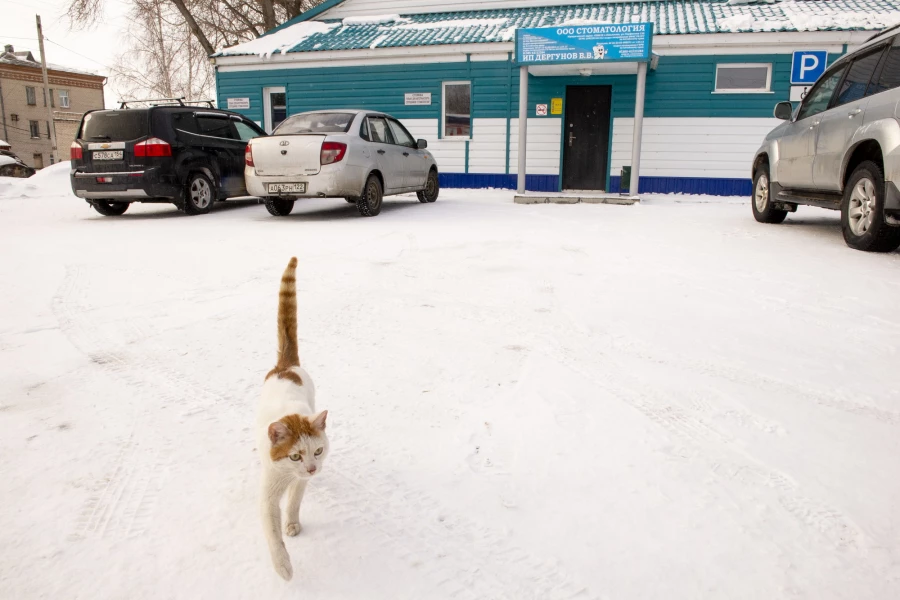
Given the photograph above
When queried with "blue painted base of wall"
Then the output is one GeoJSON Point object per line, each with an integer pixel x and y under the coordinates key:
{"type": "Point", "coordinates": [533, 183]}
{"type": "Point", "coordinates": [689, 185]}
{"type": "Point", "coordinates": [649, 185]}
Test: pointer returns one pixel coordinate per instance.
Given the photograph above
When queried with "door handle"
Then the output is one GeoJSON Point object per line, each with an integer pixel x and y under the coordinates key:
{"type": "Point", "coordinates": [855, 112]}
{"type": "Point", "coordinates": [381, 152]}
{"type": "Point", "coordinates": [571, 137]}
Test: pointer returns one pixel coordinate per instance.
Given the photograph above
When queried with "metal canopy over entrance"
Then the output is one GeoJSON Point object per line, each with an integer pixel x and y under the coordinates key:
{"type": "Point", "coordinates": [588, 50]}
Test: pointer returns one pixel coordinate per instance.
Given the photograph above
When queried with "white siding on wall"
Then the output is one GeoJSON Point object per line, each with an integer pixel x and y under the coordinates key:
{"type": "Point", "coordinates": [487, 150]}
{"type": "Point", "coordinates": [543, 146]}
{"type": "Point", "coordinates": [691, 147]}
{"type": "Point", "coordinates": [450, 156]}
{"type": "Point", "coordinates": [352, 8]}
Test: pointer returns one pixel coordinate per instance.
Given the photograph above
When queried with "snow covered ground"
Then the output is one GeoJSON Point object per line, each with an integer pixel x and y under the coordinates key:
{"type": "Point", "coordinates": [526, 402]}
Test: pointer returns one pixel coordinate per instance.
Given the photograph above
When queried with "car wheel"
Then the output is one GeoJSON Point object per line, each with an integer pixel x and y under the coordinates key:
{"type": "Point", "coordinates": [279, 207]}
{"type": "Point", "coordinates": [199, 193]}
{"type": "Point", "coordinates": [764, 209]}
{"type": "Point", "coordinates": [109, 209]}
{"type": "Point", "coordinates": [369, 204]}
{"type": "Point", "coordinates": [862, 212]}
{"type": "Point", "coordinates": [432, 188]}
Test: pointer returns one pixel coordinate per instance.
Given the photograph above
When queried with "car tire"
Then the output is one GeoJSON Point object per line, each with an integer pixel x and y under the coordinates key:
{"type": "Point", "coordinates": [279, 207]}
{"type": "Point", "coordinates": [764, 209]}
{"type": "Point", "coordinates": [369, 203]}
{"type": "Point", "coordinates": [432, 188]}
{"type": "Point", "coordinates": [862, 212]}
{"type": "Point", "coordinates": [199, 194]}
{"type": "Point", "coordinates": [108, 208]}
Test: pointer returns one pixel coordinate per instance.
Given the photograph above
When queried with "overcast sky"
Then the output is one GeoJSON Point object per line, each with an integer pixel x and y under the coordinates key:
{"type": "Point", "coordinates": [90, 50]}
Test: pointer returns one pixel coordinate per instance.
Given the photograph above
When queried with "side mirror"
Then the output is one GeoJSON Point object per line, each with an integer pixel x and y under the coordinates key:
{"type": "Point", "coordinates": [421, 144]}
{"type": "Point", "coordinates": [784, 111]}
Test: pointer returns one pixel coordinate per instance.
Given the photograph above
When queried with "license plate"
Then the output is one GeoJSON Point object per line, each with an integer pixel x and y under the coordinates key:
{"type": "Point", "coordinates": [287, 188]}
{"type": "Point", "coordinates": [108, 155]}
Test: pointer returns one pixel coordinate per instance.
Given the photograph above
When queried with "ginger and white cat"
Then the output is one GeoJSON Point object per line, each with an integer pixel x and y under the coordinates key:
{"type": "Point", "coordinates": [292, 440]}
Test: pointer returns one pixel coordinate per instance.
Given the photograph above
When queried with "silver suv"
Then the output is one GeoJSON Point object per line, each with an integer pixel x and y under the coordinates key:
{"type": "Point", "coordinates": [840, 148]}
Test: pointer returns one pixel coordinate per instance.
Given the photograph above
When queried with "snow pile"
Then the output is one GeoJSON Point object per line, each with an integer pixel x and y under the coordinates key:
{"type": "Point", "coordinates": [374, 20]}
{"type": "Point", "coordinates": [280, 41]}
{"type": "Point", "coordinates": [806, 16]}
{"type": "Point", "coordinates": [50, 181]}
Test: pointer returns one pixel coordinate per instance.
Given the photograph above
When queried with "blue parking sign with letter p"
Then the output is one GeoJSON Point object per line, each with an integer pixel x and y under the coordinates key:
{"type": "Point", "coordinates": [808, 66]}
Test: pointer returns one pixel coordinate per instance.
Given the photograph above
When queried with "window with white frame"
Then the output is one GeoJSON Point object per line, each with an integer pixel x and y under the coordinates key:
{"type": "Point", "coordinates": [744, 78]}
{"type": "Point", "coordinates": [63, 98]}
{"type": "Point", "coordinates": [456, 109]}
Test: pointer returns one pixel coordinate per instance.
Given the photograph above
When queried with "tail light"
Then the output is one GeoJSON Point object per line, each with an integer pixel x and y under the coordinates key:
{"type": "Point", "coordinates": [248, 156]}
{"type": "Point", "coordinates": [332, 152]}
{"type": "Point", "coordinates": [154, 147]}
{"type": "Point", "coordinates": [75, 152]}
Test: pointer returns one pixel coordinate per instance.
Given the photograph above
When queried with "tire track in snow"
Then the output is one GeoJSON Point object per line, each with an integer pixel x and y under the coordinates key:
{"type": "Point", "coordinates": [124, 501]}
{"type": "Point", "coordinates": [124, 506]}
{"type": "Point", "coordinates": [711, 446]}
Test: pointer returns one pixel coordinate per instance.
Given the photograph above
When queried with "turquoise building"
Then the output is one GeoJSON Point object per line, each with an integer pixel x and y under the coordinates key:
{"type": "Point", "coordinates": [448, 71]}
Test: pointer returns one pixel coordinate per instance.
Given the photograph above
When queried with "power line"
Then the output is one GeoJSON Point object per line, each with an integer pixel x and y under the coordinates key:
{"type": "Point", "coordinates": [79, 54]}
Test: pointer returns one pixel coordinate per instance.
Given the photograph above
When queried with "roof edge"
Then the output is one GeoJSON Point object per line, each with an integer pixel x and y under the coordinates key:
{"type": "Point", "coordinates": [306, 16]}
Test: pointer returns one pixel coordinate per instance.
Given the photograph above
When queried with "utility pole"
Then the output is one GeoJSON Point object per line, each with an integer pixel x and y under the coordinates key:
{"type": "Point", "coordinates": [47, 99]}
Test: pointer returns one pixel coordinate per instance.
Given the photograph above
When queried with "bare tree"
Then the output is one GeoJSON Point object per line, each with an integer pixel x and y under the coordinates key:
{"type": "Point", "coordinates": [165, 59]}
{"type": "Point", "coordinates": [171, 40]}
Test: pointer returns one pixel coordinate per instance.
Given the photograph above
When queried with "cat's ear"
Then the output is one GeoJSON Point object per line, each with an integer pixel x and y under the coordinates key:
{"type": "Point", "coordinates": [319, 421]}
{"type": "Point", "coordinates": [278, 432]}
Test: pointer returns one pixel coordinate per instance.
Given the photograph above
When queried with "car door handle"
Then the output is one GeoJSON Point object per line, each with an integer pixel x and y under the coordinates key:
{"type": "Point", "coordinates": [855, 112]}
{"type": "Point", "coordinates": [381, 152]}
{"type": "Point", "coordinates": [406, 154]}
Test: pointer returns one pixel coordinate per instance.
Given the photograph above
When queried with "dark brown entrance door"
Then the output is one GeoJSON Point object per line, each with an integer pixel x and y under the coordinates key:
{"type": "Point", "coordinates": [586, 137]}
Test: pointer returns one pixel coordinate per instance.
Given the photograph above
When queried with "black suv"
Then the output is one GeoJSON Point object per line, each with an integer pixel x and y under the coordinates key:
{"type": "Point", "coordinates": [173, 152]}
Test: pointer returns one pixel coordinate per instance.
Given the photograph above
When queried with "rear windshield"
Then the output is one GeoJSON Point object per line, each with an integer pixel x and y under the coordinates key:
{"type": "Point", "coordinates": [323, 122]}
{"type": "Point", "coordinates": [115, 125]}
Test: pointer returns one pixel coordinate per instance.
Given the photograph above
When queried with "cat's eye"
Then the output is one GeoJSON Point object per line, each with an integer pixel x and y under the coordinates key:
{"type": "Point", "coordinates": [319, 451]}
{"type": "Point", "coordinates": [294, 457]}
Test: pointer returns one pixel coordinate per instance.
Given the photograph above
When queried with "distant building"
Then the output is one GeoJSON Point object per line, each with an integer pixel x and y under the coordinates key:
{"type": "Point", "coordinates": [23, 106]}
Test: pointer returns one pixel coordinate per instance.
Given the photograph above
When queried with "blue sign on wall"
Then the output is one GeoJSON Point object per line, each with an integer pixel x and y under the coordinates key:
{"type": "Point", "coordinates": [808, 66]}
{"type": "Point", "coordinates": [584, 43]}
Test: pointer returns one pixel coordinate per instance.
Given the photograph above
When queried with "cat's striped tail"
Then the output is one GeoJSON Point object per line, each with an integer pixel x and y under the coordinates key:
{"type": "Point", "coordinates": [288, 354]}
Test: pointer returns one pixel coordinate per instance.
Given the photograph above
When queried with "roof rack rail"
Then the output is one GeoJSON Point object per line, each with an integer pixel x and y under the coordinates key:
{"type": "Point", "coordinates": [165, 102]}
{"type": "Point", "coordinates": [884, 31]}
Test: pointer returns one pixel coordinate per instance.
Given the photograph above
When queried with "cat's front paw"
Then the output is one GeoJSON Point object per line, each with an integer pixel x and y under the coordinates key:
{"type": "Point", "coordinates": [293, 529]}
{"type": "Point", "coordinates": [282, 563]}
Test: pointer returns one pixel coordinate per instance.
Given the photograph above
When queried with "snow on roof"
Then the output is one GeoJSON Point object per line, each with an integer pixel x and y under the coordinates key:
{"type": "Point", "coordinates": [4, 144]}
{"type": "Point", "coordinates": [811, 16]}
{"type": "Point", "coordinates": [500, 25]}
{"type": "Point", "coordinates": [455, 23]}
{"type": "Point", "coordinates": [7, 160]}
{"type": "Point", "coordinates": [280, 40]}
{"type": "Point", "coordinates": [374, 20]}
{"type": "Point", "coordinates": [10, 58]}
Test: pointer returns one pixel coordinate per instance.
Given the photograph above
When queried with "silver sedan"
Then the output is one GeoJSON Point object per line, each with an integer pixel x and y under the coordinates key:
{"type": "Point", "coordinates": [357, 155]}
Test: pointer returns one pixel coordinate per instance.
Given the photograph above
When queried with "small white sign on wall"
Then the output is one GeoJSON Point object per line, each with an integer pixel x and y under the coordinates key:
{"type": "Point", "coordinates": [238, 103]}
{"type": "Point", "coordinates": [417, 99]}
{"type": "Point", "coordinates": [541, 110]}
{"type": "Point", "coordinates": [798, 92]}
